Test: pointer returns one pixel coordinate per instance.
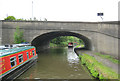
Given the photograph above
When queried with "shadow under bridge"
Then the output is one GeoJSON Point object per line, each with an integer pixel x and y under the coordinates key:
{"type": "Point", "coordinates": [42, 41]}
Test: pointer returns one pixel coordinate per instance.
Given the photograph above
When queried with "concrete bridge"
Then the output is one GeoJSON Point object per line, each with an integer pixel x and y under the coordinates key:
{"type": "Point", "coordinates": [98, 36]}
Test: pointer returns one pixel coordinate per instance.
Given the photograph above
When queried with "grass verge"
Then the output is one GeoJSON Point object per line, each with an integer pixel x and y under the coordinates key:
{"type": "Point", "coordinates": [109, 57]}
{"type": "Point", "coordinates": [97, 69]}
{"type": "Point", "coordinates": [79, 46]}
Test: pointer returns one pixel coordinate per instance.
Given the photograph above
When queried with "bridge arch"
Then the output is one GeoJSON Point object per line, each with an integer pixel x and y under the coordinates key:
{"type": "Point", "coordinates": [42, 41]}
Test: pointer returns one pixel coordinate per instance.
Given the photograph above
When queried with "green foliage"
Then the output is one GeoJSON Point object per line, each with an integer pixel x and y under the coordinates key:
{"type": "Point", "coordinates": [18, 36]}
{"type": "Point", "coordinates": [20, 19]}
{"type": "Point", "coordinates": [64, 40]}
{"type": "Point", "coordinates": [89, 65]}
{"type": "Point", "coordinates": [101, 76]}
{"type": "Point", "coordinates": [13, 18]}
{"type": "Point", "coordinates": [109, 57]}
{"type": "Point", "coordinates": [94, 73]}
{"type": "Point", "coordinates": [80, 46]}
{"type": "Point", "coordinates": [53, 45]}
{"type": "Point", "coordinates": [10, 18]}
{"type": "Point", "coordinates": [98, 70]}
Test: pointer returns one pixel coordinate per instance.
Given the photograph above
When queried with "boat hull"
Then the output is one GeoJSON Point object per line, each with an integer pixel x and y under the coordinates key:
{"type": "Point", "coordinates": [12, 61]}
{"type": "Point", "coordinates": [19, 71]}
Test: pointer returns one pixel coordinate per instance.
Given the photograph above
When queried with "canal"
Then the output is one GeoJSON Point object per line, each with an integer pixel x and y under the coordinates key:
{"type": "Point", "coordinates": [57, 63]}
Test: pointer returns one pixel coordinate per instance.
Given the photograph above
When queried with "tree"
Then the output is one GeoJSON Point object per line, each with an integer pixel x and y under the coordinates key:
{"type": "Point", "coordinates": [45, 19]}
{"type": "Point", "coordinates": [64, 40]}
{"type": "Point", "coordinates": [10, 18]}
{"type": "Point", "coordinates": [20, 19]}
{"type": "Point", "coordinates": [18, 36]}
{"type": "Point", "coordinates": [35, 19]}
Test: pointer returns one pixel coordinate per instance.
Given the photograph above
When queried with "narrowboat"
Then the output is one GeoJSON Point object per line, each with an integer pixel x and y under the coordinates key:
{"type": "Point", "coordinates": [70, 44]}
{"type": "Point", "coordinates": [16, 60]}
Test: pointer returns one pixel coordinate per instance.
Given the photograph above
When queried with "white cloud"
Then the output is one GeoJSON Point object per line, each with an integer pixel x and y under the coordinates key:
{"type": "Point", "coordinates": [63, 10]}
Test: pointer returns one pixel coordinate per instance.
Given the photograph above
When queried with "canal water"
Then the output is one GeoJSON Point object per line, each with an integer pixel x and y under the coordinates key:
{"type": "Point", "coordinates": [57, 63]}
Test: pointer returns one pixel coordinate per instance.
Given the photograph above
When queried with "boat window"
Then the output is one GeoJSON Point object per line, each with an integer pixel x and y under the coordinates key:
{"type": "Point", "coordinates": [33, 52]}
{"type": "Point", "coordinates": [13, 61]}
{"type": "Point", "coordinates": [20, 58]}
{"type": "Point", "coordinates": [27, 55]}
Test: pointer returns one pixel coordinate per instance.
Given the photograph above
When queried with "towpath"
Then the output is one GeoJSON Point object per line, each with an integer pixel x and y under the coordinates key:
{"type": "Point", "coordinates": [107, 62]}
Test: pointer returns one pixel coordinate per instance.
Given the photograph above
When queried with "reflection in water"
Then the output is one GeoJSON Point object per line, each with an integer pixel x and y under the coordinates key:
{"type": "Point", "coordinates": [56, 63]}
{"type": "Point", "coordinates": [72, 57]}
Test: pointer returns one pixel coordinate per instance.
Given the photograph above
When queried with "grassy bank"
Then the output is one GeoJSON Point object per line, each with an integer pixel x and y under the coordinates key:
{"type": "Point", "coordinates": [97, 69]}
{"type": "Point", "coordinates": [109, 58]}
{"type": "Point", "coordinates": [82, 45]}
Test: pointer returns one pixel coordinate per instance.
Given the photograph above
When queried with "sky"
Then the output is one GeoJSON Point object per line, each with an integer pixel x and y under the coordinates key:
{"type": "Point", "coordinates": [60, 10]}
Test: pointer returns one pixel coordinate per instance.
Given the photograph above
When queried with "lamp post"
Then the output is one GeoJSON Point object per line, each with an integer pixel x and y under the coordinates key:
{"type": "Point", "coordinates": [100, 14]}
{"type": "Point", "coordinates": [32, 10]}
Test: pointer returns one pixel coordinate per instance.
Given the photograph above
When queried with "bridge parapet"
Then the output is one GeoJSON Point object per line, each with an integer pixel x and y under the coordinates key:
{"type": "Point", "coordinates": [108, 28]}
{"type": "Point", "coordinates": [51, 25]}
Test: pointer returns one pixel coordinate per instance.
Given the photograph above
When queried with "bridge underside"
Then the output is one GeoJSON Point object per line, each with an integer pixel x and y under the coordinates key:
{"type": "Point", "coordinates": [42, 41]}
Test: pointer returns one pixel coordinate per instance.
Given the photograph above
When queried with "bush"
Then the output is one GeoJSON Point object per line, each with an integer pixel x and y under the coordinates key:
{"type": "Point", "coordinates": [10, 18]}
{"type": "Point", "coordinates": [18, 36]}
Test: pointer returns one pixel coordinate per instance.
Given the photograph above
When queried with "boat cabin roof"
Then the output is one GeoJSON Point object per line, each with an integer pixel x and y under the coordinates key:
{"type": "Point", "coordinates": [14, 50]}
